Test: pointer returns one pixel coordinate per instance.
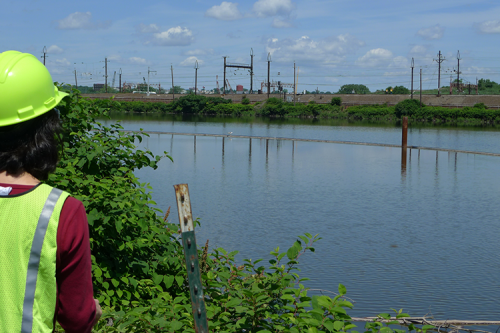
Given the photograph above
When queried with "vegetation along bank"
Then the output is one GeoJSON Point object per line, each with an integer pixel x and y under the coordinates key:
{"type": "Point", "coordinates": [475, 115]}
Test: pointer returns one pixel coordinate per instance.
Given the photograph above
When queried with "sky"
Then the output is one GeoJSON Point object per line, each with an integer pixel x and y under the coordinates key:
{"type": "Point", "coordinates": [332, 43]}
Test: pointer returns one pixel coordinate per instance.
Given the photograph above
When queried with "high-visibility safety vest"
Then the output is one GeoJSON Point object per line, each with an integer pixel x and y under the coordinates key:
{"type": "Point", "coordinates": [28, 246]}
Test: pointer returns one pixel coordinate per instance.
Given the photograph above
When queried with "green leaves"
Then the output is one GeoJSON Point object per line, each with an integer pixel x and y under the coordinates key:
{"type": "Point", "coordinates": [342, 289]}
{"type": "Point", "coordinates": [293, 252]}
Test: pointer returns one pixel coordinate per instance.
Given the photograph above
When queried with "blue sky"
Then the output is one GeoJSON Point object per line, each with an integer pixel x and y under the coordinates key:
{"type": "Point", "coordinates": [332, 42]}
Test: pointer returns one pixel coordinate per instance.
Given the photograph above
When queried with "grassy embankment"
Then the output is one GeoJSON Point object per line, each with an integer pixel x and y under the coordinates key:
{"type": "Point", "coordinates": [273, 107]}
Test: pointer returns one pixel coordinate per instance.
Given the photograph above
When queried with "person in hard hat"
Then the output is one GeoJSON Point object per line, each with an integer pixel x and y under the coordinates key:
{"type": "Point", "coordinates": [45, 265]}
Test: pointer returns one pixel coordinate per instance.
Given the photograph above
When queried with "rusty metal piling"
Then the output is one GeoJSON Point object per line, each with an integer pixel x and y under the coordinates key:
{"type": "Point", "coordinates": [191, 256]}
{"type": "Point", "coordinates": [404, 144]}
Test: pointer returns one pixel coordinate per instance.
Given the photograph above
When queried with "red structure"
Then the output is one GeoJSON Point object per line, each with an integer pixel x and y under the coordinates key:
{"type": "Point", "coordinates": [239, 88]}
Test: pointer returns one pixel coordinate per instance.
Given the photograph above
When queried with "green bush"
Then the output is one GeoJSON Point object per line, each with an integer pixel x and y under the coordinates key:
{"type": "Point", "coordinates": [274, 101]}
{"type": "Point", "coordinates": [245, 100]}
{"type": "Point", "coordinates": [408, 107]}
{"type": "Point", "coordinates": [370, 111]}
{"type": "Point", "coordinates": [132, 247]}
{"type": "Point", "coordinates": [336, 101]}
{"type": "Point", "coordinates": [480, 106]}
{"type": "Point", "coordinates": [231, 109]}
{"type": "Point", "coordinates": [400, 90]}
{"type": "Point", "coordinates": [356, 88]}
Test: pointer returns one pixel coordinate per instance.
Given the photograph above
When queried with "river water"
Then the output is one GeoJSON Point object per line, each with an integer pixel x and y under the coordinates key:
{"type": "Point", "coordinates": [422, 237]}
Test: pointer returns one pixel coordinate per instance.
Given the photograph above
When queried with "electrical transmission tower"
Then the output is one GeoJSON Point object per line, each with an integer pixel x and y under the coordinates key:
{"type": "Point", "coordinates": [250, 67]}
{"type": "Point", "coordinates": [439, 60]}
{"type": "Point", "coordinates": [412, 66]}
{"type": "Point", "coordinates": [114, 78]}
{"type": "Point", "coordinates": [149, 71]}
{"type": "Point", "coordinates": [44, 54]}
{"type": "Point", "coordinates": [459, 86]}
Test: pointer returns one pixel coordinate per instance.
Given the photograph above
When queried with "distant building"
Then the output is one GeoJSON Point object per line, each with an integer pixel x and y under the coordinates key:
{"type": "Point", "coordinates": [239, 89]}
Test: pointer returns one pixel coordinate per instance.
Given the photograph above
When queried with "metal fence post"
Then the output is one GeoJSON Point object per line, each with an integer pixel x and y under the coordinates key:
{"type": "Point", "coordinates": [191, 255]}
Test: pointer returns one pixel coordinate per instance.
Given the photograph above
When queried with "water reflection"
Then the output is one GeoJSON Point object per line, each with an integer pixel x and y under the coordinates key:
{"type": "Point", "coordinates": [403, 161]}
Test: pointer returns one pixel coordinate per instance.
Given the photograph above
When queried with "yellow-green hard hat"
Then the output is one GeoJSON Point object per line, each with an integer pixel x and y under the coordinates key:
{"type": "Point", "coordinates": [26, 88]}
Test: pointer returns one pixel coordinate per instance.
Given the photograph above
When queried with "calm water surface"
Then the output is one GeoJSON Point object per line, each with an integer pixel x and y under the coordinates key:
{"type": "Point", "coordinates": [423, 238]}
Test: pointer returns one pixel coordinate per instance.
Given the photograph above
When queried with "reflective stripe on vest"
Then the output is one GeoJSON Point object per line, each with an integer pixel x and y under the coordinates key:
{"type": "Point", "coordinates": [34, 261]}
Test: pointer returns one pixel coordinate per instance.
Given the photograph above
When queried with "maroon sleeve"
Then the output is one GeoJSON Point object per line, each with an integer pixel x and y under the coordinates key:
{"type": "Point", "coordinates": [75, 300]}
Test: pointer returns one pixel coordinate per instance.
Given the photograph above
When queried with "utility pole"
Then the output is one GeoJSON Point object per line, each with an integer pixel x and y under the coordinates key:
{"type": "Point", "coordinates": [195, 76]}
{"type": "Point", "coordinates": [251, 71]}
{"type": "Point", "coordinates": [120, 79]}
{"type": "Point", "coordinates": [172, 71]}
{"type": "Point", "coordinates": [439, 61]}
{"type": "Point", "coordinates": [458, 71]}
{"type": "Point", "coordinates": [106, 74]}
{"type": "Point", "coordinates": [148, 78]}
{"type": "Point", "coordinates": [420, 87]}
{"type": "Point", "coordinates": [294, 88]}
{"type": "Point", "coordinates": [44, 54]}
{"type": "Point", "coordinates": [76, 82]}
{"type": "Point", "coordinates": [224, 87]}
{"type": "Point", "coordinates": [412, 66]}
{"type": "Point", "coordinates": [268, 71]}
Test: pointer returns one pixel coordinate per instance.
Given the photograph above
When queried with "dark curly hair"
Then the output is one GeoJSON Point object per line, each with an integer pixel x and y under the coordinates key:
{"type": "Point", "coordinates": [31, 146]}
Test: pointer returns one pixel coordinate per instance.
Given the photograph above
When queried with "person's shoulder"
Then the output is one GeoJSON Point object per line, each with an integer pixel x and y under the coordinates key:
{"type": "Point", "coordinates": [73, 202]}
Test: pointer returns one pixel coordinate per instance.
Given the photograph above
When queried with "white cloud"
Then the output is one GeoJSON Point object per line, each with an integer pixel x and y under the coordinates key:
{"type": "Point", "coordinates": [62, 62]}
{"type": "Point", "coordinates": [142, 28]}
{"type": "Point", "coordinates": [138, 61]}
{"type": "Point", "coordinates": [130, 61]}
{"type": "Point", "coordinates": [279, 23]}
{"type": "Point", "coordinates": [434, 32]}
{"type": "Point", "coordinates": [79, 20]}
{"type": "Point", "coordinates": [190, 61]}
{"type": "Point", "coordinates": [324, 52]}
{"type": "Point", "coordinates": [375, 58]}
{"type": "Point", "coordinates": [474, 70]}
{"type": "Point", "coordinates": [421, 55]}
{"type": "Point", "coordinates": [265, 8]}
{"type": "Point", "coordinates": [400, 62]}
{"type": "Point", "coordinates": [54, 49]}
{"type": "Point", "coordinates": [176, 36]}
{"type": "Point", "coordinates": [489, 27]}
{"type": "Point", "coordinates": [199, 52]}
{"type": "Point", "coordinates": [226, 11]}
{"type": "Point", "coordinates": [418, 49]}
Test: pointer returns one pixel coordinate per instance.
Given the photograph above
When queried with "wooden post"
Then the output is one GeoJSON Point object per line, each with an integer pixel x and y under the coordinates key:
{"type": "Point", "coordinates": [267, 147]}
{"type": "Point", "coordinates": [405, 133]}
{"type": "Point", "coordinates": [403, 161]}
{"type": "Point", "coordinates": [222, 145]}
{"type": "Point", "coordinates": [191, 256]}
